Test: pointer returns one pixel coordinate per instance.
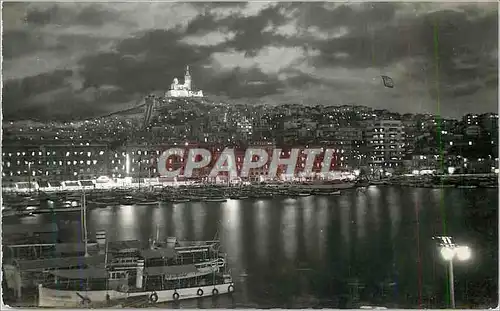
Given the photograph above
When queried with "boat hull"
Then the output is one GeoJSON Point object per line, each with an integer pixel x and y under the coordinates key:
{"type": "Point", "coordinates": [73, 299]}
{"type": "Point", "coordinates": [328, 186]}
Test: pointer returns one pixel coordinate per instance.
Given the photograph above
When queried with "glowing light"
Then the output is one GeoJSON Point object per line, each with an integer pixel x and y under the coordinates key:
{"type": "Point", "coordinates": [447, 253]}
{"type": "Point", "coordinates": [451, 170]}
{"type": "Point", "coordinates": [463, 253]}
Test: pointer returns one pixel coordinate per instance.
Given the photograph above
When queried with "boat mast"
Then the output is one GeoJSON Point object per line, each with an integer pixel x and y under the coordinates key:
{"type": "Point", "coordinates": [106, 265]}
{"type": "Point", "coordinates": [106, 254]}
{"type": "Point", "coordinates": [140, 160]}
{"type": "Point", "coordinates": [84, 222]}
{"type": "Point", "coordinates": [157, 233]}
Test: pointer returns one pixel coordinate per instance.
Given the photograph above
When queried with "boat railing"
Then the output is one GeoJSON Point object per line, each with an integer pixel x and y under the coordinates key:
{"type": "Point", "coordinates": [195, 244]}
{"type": "Point", "coordinates": [216, 263]}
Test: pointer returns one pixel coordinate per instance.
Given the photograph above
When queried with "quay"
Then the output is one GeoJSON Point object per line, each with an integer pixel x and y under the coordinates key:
{"type": "Point", "coordinates": [156, 184]}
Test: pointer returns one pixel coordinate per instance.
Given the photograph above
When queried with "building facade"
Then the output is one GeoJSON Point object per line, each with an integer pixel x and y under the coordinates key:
{"type": "Point", "coordinates": [385, 142]}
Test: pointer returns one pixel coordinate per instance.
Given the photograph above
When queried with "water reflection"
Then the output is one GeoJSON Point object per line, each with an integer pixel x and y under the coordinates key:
{"type": "Point", "coordinates": [198, 214]}
{"type": "Point", "coordinates": [308, 224]}
{"type": "Point", "coordinates": [394, 201]}
{"type": "Point", "coordinates": [318, 233]}
{"type": "Point", "coordinates": [159, 223]}
{"type": "Point", "coordinates": [322, 220]}
{"type": "Point", "coordinates": [128, 227]}
{"type": "Point", "coordinates": [178, 223]}
{"type": "Point", "coordinates": [230, 232]}
{"type": "Point", "coordinates": [373, 200]}
{"type": "Point", "coordinates": [288, 227]}
{"type": "Point", "coordinates": [345, 218]}
{"type": "Point", "coordinates": [262, 228]}
{"type": "Point", "coordinates": [102, 218]}
{"type": "Point", "coordinates": [360, 216]}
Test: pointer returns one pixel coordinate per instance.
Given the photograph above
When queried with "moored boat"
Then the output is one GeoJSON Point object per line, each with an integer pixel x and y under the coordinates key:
{"type": "Point", "coordinates": [167, 273]}
{"type": "Point", "coordinates": [145, 202]}
{"type": "Point", "coordinates": [333, 193]}
{"type": "Point", "coordinates": [215, 199]}
{"type": "Point", "coordinates": [180, 200]}
{"type": "Point", "coordinates": [56, 210]}
{"type": "Point", "coordinates": [328, 185]}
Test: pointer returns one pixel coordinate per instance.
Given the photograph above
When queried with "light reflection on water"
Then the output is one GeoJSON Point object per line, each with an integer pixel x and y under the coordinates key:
{"type": "Point", "coordinates": [308, 223]}
{"type": "Point", "coordinates": [230, 232]}
{"type": "Point", "coordinates": [158, 221]}
{"type": "Point", "coordinates": [288, 227]}
{"type": "Point", "coordinates": [394, 201]}
{"type": "Point", "coordinates": [129, 228]}
{"type": "Point", "coordinates": [198, 213]}
{"type": "Point", "coordinates": [374, 205]}
{"type": "Point", "coordinates": [361, 210]}
{"type": "Point", "coordinates": [178, 223]}
{"type": "Point", "coordinates": [262, 228]}
{"type": "Point", "coordinates": [311, 230]}
{"type": "Point", "coordinates": [345, 218]}
{"type": "Point", "coordinates": [322, 221]}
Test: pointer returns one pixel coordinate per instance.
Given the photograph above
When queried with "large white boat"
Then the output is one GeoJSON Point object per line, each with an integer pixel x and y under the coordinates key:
{"type": "Point", "coordinates": [167, 272]}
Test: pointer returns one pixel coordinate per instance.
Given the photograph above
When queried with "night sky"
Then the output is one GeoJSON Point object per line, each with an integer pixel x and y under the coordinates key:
{"type": "Point", "coordinates": [83, 59]}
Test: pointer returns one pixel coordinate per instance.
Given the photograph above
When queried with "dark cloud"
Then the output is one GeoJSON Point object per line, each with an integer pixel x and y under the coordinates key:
{"type": "Point", "coordinates": [240, 83]}
{"type": "Point", "coordinates": [42, 17]}
{"type": "Point", "coordinates": [217, 5]}
{"type": "Point", "coordinates": [28, 87]}
{"type": "Point", "coordinates": [143, 64]}
{"type": "Point", "coordinates": [17, 94]}
{"type": "Point", "coordinates": [21, 42]}
{"type": "Point", "coordinates": [315, 14]}
{"type": "Point", "coordinates": [250, 35]}
{"type": "Point", "coordinates": [203, 24]}
{"type": "Point", "coordinates": [94, 15]}
{"type": "Point", "coordinates": [322, 51]}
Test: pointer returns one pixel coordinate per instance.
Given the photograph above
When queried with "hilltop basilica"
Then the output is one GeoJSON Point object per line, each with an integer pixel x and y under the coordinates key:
{"type": "Point", "coordinates": [183, 90]}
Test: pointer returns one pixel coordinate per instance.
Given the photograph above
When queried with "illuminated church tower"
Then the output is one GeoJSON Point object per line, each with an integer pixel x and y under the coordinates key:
{"type": "Point", "coordinates": [183, 90]}
{"type": "Point", "coordinates": [187, 79]}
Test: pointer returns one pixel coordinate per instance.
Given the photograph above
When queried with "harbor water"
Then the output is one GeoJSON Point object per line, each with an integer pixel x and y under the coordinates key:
{"type": "Point", "coordinates": [371, 247]}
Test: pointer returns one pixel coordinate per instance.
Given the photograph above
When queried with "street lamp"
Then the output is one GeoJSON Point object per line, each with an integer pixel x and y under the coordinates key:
{"type": "Point", "coordinates": [449, 252]}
